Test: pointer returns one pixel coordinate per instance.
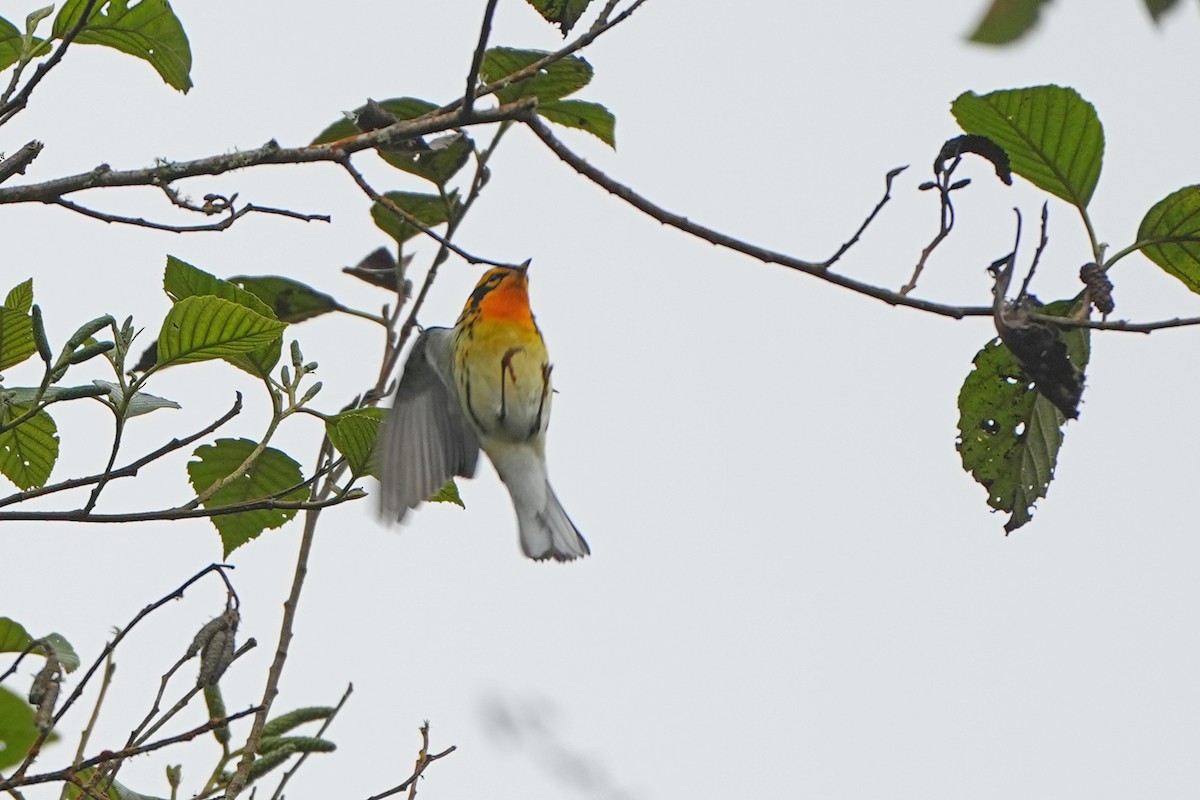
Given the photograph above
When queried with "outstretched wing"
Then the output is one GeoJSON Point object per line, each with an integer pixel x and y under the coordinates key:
{"type": "Point", "coordinates": [426, 440]}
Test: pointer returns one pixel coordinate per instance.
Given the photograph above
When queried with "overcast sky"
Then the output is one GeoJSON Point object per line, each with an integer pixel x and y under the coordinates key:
{"type": "Point", "coordinates": [795, 590]}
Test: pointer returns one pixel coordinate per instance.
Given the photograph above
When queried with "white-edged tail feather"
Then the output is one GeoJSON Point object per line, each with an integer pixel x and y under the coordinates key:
{"type": "Point", "coordinates": [546, 530]}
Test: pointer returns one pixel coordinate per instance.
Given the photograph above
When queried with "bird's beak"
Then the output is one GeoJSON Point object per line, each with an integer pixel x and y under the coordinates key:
{"type": "Point", "coordinates": [524, 268]}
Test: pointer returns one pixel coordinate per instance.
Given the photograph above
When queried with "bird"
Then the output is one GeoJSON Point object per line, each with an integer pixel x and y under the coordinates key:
{"type": "Point", "coordinates": [483, 384]}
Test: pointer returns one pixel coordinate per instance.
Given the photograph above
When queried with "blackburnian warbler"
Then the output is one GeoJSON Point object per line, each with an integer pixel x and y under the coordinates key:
{"type": "Point", "coordinates": [483, 383]}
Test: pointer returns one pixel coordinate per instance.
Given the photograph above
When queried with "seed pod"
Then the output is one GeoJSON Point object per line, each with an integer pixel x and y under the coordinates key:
{"type": "Point", "coordinates": [285, 722]}
{"type": "Point", "coordinates": [1099, 287]}
{"type": "Point", "coordinates": [216, 652]}
{"type": "Point", "coordinates": [39, 334]}
{"type": "Point", "coordinates": [216, 710]}
{"type": "Point", "coordinates": [89, 351]}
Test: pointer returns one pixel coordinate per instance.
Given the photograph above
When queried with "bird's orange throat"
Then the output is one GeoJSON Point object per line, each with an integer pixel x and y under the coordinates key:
{"type": "Point", "coordinates": [506, 299]}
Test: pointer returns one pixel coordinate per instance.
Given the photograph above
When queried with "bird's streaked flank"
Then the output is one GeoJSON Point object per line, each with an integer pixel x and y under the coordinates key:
{"type": "Point", "coordinates": [483, 383]}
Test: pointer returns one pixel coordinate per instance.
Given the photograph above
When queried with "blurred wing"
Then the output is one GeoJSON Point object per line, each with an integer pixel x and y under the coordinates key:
{"type": "Point", "coordinates": [426, 440]}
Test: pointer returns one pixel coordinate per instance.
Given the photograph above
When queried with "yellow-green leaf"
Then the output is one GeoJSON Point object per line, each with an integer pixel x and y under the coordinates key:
{"type": "Point", "coordinates": [1173, 225]}
{"type": "Point", "coordinates": [1052, 136]}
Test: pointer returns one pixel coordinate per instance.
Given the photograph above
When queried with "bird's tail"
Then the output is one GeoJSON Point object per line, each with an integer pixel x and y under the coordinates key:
{"type": "Point", "coordinates": [546, 530]}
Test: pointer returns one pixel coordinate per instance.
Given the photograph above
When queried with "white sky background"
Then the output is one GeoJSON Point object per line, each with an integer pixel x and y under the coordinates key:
{"type": "Point", "coordinates": [795, 589]}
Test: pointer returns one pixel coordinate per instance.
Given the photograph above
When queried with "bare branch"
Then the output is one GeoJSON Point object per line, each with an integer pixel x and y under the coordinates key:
{"type": "Point", "coordinates": [233, 217]}
{"type": "Point", "coordinates": [108, 756]}
{"type": "Point", "coordinates": [485, 30]}
{"type": "Point", "coordinates": [179, 513]}
{"type": "Point", "coordinates": [18, 161]}
{"type": "Point", "coordinates": [816, 269]}
{"type": "Point", "coordinates": [129, 470]}
{"type": "Point", "coordinates": [166, 173]}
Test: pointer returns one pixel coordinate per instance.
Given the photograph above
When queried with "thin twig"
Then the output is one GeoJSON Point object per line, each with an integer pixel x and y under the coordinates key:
{"type": "Point", "coordinates": [108, 756]}
{"type": "Point", "coordinates": [263, 504]}
{"type": "Point", "coordinates": [104, 655]}
{"type": "Point", "coordinates": [424, 759]}
{"type": "Point", "coordinates": [286, 630]}
{"type": "Point", "coordinates": [14, 106]}
{"type": "Point", "coordinates": [409, 219]}
{"type": "Point", "coordinates": [537, 66]}
{"type": "Point", "coordinates": [225, 222]}
{"type": "Point", "coordinates": [485, 30]}
{"type": "Point", "coordinates": [129, 470]}
{"type": "Point", "coordinates": [105, 682]}
{"type": "Point", "coordinates": [816, 269]}
{"type": "Point", "coordinates": [853, 240]}
{"type": "Point", "coordinates": [1037, 254]}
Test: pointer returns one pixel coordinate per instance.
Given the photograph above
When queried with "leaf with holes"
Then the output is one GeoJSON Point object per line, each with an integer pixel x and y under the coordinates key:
{"type": "Point", "coordinates": [207, 327]}
{"type": "Point", "coordinates": [591, 117]}
{"type": "Point", "coordinates": [272, 473]}
{"type": "Point", "coordinates": [1051, 134]}
{"type": "Point", "coordinates": [1009, 433]}
{"type": "Point", "coordinates": [354, 433]}
{"type": "Point", "coordinates": [553, 82]}
{"type": "Point", "coordinates": [148, 30]}
{"type": "Point", "coordinates": [429, 209]}
{"type": "Point", "coordinates": [1173, 224]}
{"type": "Point", "coordinates": [29, 450]}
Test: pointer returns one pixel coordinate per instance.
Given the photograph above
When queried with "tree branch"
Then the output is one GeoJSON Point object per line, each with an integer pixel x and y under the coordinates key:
{"type": "Point", "coordinates": [816, 269]}
{"type": "Point", "coordinates": [166, 173]}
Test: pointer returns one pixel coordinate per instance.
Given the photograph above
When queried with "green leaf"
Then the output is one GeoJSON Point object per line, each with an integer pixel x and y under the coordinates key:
{"type": "Point", "coordinates": [148, 30]}
{"type": "Point", "coordinates": [17, 731]}
{"type": "Point", "coordinates": [564, 13]}
{"type": "Point", "coordinates": [272, 472]}
{"type": "Point", "coordinates": [1051, 134]}
{"type": "Point", "coordinates": [1006, 21]}
{"type": "Point", "coordinates": [16, 337]}
{"type": "Point", "coordinates": [1174, 222]}
{"type": "Point", "coordinates": [291, 301]}
{"type": "Point", "coordinates": [11, 42]}
{"type": "Point", "coordinates": [28, 451]}
{"type": "Point", "coordinates": [63, 649]}
{"type": "Point", "coordinates": [140, 403]}
{"type": "Point", "coordinates": [13, 636]}
{"type": "Point", "coordinates": [430, 209]}
{"type": "Point", "coordinates": [591, 117]}
{"type": "Point", "coordinates": [203, 328]}
{"type": "Point", "coordinates": [438, 162]}
{"type": "Point", "coordinates": [448, 494]}
{"type": "Point", "coordinates": [354, 434]}
{"type": "Point", "coordinates": [1009, 434]}
{"type": "Point", "coordinates": [182, 280]}
{"type": "Point", "coordinates": [1159, 7]}
{"type": "Point", "coordinates": [401, 107]}
{"type": "Point", "coordinates": [21, 297]}
{"type": "Point", "coordinates": [14, 639]}
{"type": "Point", "coordinates": [552, 82]}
